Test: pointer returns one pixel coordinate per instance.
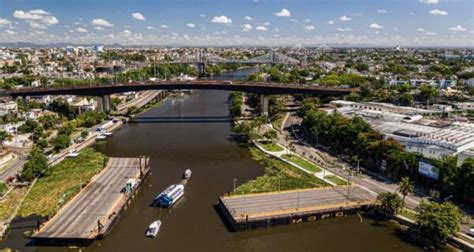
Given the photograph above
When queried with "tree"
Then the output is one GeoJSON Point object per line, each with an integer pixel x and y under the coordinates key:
{"type": "Point", "coordinates": [390, 203]}
{"type": "Point", "coordinates": [84, 134]}
{"type": "Point", "coordinates": [36, 164]}
{"type": "Point", "coordinates": [61, 141]}
{"type": "Point", "coordinates": [436, 222]}
{"type": "Point", "coordinates": [405, 187]}
{"type": "Point", "coordinates": [271, 135]}
{"type": "Point", "coordinates": [4, 136]}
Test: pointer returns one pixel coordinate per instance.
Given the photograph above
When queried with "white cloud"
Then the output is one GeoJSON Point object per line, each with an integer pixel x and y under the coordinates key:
{"type": "Point", "coordinates": [20, 14]}
{"type": "Point", "coordinates": [126, 32]}
{"type": "Point", "coordinates": [266, 24]}
{"type": "Point", "coordinates": [309, 27]}
{"type": "Point", "coordinates": [307, 20]}
{"type": "Point", "coordinates": [150, 27]}
{"type": "Point", "coordinates": [81, 30]}
{"type": "Point", "coordinates": [37, 16]}
{"type": "Point", "coordinates": [202, 15]}
{"type": "Point", "coordinates": [375, 26]}
{"type": "Point", "coordinates": [438, 12]}
{"type": "Point", "coordinates": [283, 13]}
{"type": "Point", "coordinates": [431, 33]}
{"type": "Point", "coordinates": [4, 21]}
{"type": "Point", "coordinates": [421, 29]}
{"type": "Point", "coordinates": [101, 22]}
{"type": "Point", "coordinates": [343, 29]}
{"type": "Point", "coordinates": [36, 25]}
{"type": "Point", "coordinates": [261, 28]}
{"type": "Point", "coordinates": [330, 22]}
{"type": "Point", "coordinates": [39, 12]}
{"type": "Point", "coordinates": [164, 26]}
{"type": "Point", "coordinates": [457, 28]}
{"type": "Point", "coordinates": [249, 18]}
{"type": "Point", "coordinates": [10, 32]}
{"type": "Point", "coordinates": [50, 20]}
{"type": "Point", "coordinates": [138, 16]}
{"type": "Point", "coordinates": [99, 28]}
{"type": "Point", "coordinates": [246, 27]}
{"type": "Point", "coordinates": [190, 25]}
{"type": "Point", "coordinates": [429, 1]}
{"type": "Point", "coordinates": [381, 11]}
{"type": "Point", "coordinates": [345, 18]}
{"type": "Point", "coordinates": [222, 20]}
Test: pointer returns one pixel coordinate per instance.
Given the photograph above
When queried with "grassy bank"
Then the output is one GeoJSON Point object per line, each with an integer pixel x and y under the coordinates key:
{"type": "Point", "coordinates": [52, 191]}
{"type": "Point", "coordinates": [278, 176]}
{"type": "Point", "coordinates": [302, 162]}
{"type": "Point", "coordinates": [3, 188]}
{"type": "Point", "coordinates": [277, 121]}
{"type": "Point", "coordinates": [10, 202]}
{"type": "Point", "coordinates": [273, 147]}
{"type": "Point", "coordinates": [336, 180]}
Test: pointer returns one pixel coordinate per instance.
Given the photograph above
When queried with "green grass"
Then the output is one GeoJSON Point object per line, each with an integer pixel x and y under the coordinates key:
{"type": "Point", "coordinates": [278, 121]}
{"type": "Point", "coordinates": [3, 188]}
{"type": "Point", "coordinates": [10, 202]}
{"type": "Point", "coordinates": [336, 180]}
{"type": "Point", "coordinates": [54, 190]}
{"type": "Point", "coordinates": [302, 162]}
{"type": "Point", "coordinates": [278, 176]}
{"type": "Point", "coordinates": [271, 147]}
{"type": "Point", "coordinates": [408, 214]}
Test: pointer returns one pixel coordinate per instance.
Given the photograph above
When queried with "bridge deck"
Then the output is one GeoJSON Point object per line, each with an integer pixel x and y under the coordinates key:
{"type": "Point", "coordinates": [100, 200]}
{"type": "Point", "coordinates": [270, 205]}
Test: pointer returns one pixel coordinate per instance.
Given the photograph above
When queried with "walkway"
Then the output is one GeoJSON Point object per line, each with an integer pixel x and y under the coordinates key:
{"type": "Point", "coordinates": [78, 219]}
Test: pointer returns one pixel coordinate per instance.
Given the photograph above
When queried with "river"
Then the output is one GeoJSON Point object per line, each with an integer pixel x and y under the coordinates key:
{"type": "Point", "coordinates": [193, 224]}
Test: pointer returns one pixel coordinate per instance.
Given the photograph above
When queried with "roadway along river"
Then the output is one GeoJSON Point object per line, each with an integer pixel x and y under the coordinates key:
{"type": "Point", "coordinates": [193, 224]}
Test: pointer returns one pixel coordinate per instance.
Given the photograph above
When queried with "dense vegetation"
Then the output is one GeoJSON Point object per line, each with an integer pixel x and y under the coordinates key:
{"type": "Point", "coordinates": [355, 140]}
{"type": "Point", "coordinates": [235, 104]}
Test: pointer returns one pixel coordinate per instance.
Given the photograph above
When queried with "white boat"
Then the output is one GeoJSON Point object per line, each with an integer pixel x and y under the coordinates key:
{"type": "Point", "coordinates": [100, 137]}
{"type": "Point", "coordinates": [187, 174]}
{"type": "Point", "coordinates": [169, 196]}
{"type": "Point", "coordinates": [73, 153]}
{"type": "Point", "coordinates": [106, 133]}
{"type": "Point", "coordinates": [153, 229]}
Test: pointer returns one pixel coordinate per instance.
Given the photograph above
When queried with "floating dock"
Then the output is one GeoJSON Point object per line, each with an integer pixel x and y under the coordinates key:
{"type": "Point", "coordinates": [261, 210]}
{"type": "Point", "coordinates": [92, 212]}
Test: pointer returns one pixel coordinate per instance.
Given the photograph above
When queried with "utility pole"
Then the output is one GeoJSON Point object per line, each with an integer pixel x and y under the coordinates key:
{"type": "Point", "coordinates": [235, 180]}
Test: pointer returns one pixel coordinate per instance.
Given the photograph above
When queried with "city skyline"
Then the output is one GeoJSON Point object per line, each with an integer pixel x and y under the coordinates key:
{"type": "Point", "coordinates": [237, 23]}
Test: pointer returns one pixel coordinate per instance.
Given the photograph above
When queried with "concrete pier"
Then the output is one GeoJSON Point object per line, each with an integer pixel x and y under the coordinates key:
{"type": "Point", "coordinates": [292, 207]}
{"type": "Point", "coordinates": [91, 213]}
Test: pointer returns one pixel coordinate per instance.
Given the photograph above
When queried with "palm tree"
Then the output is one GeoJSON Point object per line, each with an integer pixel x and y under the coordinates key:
{"type": "Point", "coordinates": [405, 187]}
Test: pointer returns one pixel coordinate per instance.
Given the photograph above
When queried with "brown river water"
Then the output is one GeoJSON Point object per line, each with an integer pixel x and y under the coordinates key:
{"type": "Point", "coordinates": [193, 224]}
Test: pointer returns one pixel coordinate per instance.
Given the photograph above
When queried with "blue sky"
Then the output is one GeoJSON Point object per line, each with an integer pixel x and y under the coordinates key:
{"type": "Point", "coordinates": [239, 22]}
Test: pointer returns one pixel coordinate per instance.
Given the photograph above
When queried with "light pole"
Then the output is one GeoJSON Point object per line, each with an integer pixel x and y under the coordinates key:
{"type": "Point", "coordinates": [235, 180]}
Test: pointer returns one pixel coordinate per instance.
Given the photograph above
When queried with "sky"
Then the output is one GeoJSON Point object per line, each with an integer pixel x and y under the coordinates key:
{"type": "Point", "coordinates": [239, 22]}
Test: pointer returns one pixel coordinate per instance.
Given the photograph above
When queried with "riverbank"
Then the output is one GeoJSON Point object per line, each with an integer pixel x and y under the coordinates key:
{"type": "Point", "coordinates": [66, 179]}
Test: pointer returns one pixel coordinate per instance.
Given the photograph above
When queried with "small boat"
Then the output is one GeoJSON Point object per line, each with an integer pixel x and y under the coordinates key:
{"type": "Point", "coordinates": [153, 229]}
{"type": "Point", "coordinates": [169, 196]}
{"type": "Point", "coordinates": [100, 137]}
{"type": "Point", "coordinates": [187, 174]}
{"type": "Point", "coordinates": [106, 133]}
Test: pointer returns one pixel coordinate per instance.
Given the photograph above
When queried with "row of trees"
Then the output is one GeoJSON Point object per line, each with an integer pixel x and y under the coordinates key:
{"type": "Point", "coordinates": [356, 140]}
{"type": "Point", "coordinates": [235, 104]}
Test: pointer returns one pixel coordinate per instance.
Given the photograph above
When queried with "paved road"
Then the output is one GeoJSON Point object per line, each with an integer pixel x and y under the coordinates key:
{"type": "Point", "coordinates": [78, 219]}
{"type": "Point", "coordinates": [140, 101]}
{"type": "Point", "coordinates": [261, 203]}
{"type": "Point", "coordinates": [373, 184]}
{"type": "Point", "coordinates": [14, 166]}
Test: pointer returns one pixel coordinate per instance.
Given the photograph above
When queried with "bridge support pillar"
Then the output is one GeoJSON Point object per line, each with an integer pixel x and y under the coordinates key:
{"type": "Point", "coordinates": [201, 68]}
{"type": "Point", "coordinates": [263, 105]}
{"type": "Point", "coordinates": [103, 104]}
